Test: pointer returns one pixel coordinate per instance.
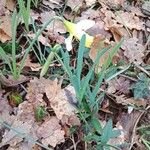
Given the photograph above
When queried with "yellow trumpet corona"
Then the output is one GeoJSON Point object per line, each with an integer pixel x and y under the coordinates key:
{"type": "Point", "coordinates": [76, 31]}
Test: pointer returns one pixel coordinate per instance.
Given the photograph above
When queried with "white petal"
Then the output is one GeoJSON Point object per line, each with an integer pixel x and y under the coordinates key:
{"type": "Point", "coordinates": [68, 42]}
{"type": "Point", "coordinates": [85, 24]}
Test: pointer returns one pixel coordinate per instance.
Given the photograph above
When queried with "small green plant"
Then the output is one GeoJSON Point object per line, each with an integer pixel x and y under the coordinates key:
{"type": "Point", "coordinates": [39, 113]}
{"type": "Point", "coordinates": [88, 99]}
{"type": "Point", "coordinates": [15, 98]}
{"type": "Point", "coordinates": [13, 65]}
{"type": "Point", "coordinates": [16, 69]}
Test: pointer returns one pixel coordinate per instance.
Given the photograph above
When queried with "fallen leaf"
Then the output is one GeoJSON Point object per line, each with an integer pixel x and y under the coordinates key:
{"type": "Point", "coordinates": [36, 89]}
{"type": "Point", "coordinates": [41, 38]}
{"type": "Point", "coordinates": [99, 43]}
{"type": "Point", "coordinates": [11, 82]}
{"type": "Point", "coordinates": [146, 8]}
{"type": "Point", "coordinates": [53, 3]}
{"type": "Point", "coordinates": [133, 50]}
{"type": "Point", "coordinates": [10, 4]}
{"type": "Point", "coordinates": [10, 137]}
{"type": "Point", "coordinates": [116, 4]}
{"type": "Point", "coordinates": [118, 33]}
{"type": "Point", "coordinates": [33, 66]}
{"type": "Point", "coordinates": [62, 104]}
{"type": "Point", "coordinates": [25, 112]}
{"type": "Point", "coordinates": [61, 100]}
{"type": "Point", "coordinates": [90, 2]}
{"type": "Point", "coordinates": [129, 123]}
{"type": "Point", "coordinates": [74, 4]}
{"type": "Point", "coordinates": [5, 28]}
{"type": "Point", "coordinates": [121, 85]}
{"type": "Point", "coordinates": [5, 111]}
{"type": "Point", "coordinates": [130, 101]}
{"type": "Point", "coordinates": [129, 20]}
{"type": "Point", "coordinates": [50, 132]}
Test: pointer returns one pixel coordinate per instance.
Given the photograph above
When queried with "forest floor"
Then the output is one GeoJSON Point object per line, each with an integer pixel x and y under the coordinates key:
{"type": "Point", "coordinates": [74, 75]}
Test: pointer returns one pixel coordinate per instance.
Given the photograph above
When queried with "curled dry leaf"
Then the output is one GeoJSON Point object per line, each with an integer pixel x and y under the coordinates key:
{"type": "Point", "coordinates": [133, 50]}
{"type": "Point", "coordinates": [50, 132]}
{"type": "Point", "coordinates": [118, 33]}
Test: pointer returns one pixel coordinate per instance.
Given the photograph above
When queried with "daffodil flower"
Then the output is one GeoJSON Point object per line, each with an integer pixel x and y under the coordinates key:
{"type": "Point", "coordinates": [77, 31]}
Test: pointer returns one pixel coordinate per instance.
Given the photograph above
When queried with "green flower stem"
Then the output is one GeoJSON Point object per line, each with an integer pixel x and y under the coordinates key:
{"type": "Point", "coordinates": [55, 49]}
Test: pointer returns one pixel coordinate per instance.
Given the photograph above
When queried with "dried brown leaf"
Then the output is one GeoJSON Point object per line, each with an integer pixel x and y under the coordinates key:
{"type": "Point", "coordinates": [112, 4]}
{"type": "Point", "coordinates": [120, 84]}
{"type": "Point", "coordinates": [50, 132]}
{"type": "Point", "coordinates": [10, 4]}
{"type": "Point", "coordinates": [41, 38]}
{"type": "Point", "coordinates": [129, 20]}
{"type": "Point", "coordinates": [5, 111]}
{"type": "Point", "coordinates": [5, 28]}
{"type": "Point", "coordinates": [74, 4]}
{"type": "Point", "coordinates": [133, 50]}
{"type": "Point", "coordinates": [62, 103]}
{"type": "Point", "coordinates": [10, 137]}
{"type": "Point", "coordinates": [33, 66]}
{"type": "Point", "coordinates": [53, 3]}
{"type": "Point", "coordinates": [129, 123]}
{"type": "Point", "coordinates": [130, 101]}
{"type": "Point", "coordinates": [90, 2]}
{"type": "Point", "coordinates": [36, 89]}
{"type": "Point", "coordinates": [99, 43]}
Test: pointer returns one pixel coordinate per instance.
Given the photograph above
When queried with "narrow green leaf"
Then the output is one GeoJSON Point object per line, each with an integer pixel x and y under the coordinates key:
{"type": "Point", "coordinates": [80, 56]}
{"type": "Point", "coordinates": [75, 83]}
{"type": "Point", "coordinates": [106, 132]}
{"type": "Point", "coordinates": [85, 84]}
{"type": "Point", "coordinates": [5, 58]}
{"type": "Point", "coordinates": [96, 124]}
